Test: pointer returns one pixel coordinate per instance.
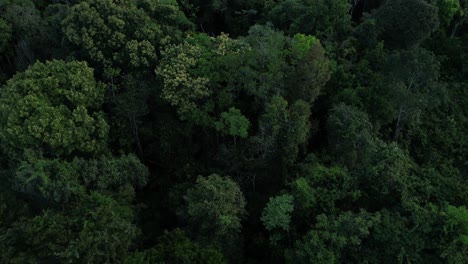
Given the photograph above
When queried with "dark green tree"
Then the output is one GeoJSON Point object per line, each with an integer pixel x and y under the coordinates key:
{"type": "Point", "coordinates": [215, 207]}
{"type": "Point", "coordinates": [99, 229]}
{"type": "Point", "coordinates": [404, 24]}
{"type": "Point", "coordinates": [350, 135]}
{"type": "Point", "coordinates": [333, 239]}
{"type": "Point", "coordinates": [328, 20]}
{"type": "Point", "coordinates": [312, 69]}
{"type": "Point", "coordinates": [174, 247]}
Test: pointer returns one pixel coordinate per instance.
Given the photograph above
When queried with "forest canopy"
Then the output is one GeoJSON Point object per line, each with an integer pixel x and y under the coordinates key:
{"type": "Point", "coordinates": [241, 131]}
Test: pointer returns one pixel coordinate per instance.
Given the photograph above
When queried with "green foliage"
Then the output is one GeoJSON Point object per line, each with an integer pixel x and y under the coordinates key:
{"type": "Point", "coordinates": [333, 239]}
{"type": "Point", "coordinates": [408, 85]}
{"type": "Point", "coordinates": [275, 64]}
{"type": "Point", "coordinates": [228, 16]}
{"type": "Point", "coordinates": [447, 10]}
{"type": "Point", "coordinates": [54, 181]}
{"type": "Point", "coordinates": [264, 67]}
{"type": "Point", "coordinates": [215, 208]}
{"type": "Point", "coordinates": [396, 238]}
{"type": "Point", "coordinates": [105, 233]}
{"type": "Point", "coordinates": [312, 69]}
{"type": "Point", "coordinates": [115, 36]}
{"type": "Point", "coordinates": [181, 89]}
{"type": "Point", "coordinates": [342, 123]}
{"type": "Point", "coordinates": [325, 19]}
{"type": "Point", "coordinates": [457, 221]}
{"type": "Point", "coordinates": [112, 173]}
{"type": "Point", "coordinates": [99, 230]}
{"type": "Point", "coordinates": [168, 13]}
{"type": "Point", "coordinates": [5, 35]}
{"type": "Point", "coordinates": [456, 229]}
{"type": "Point", "coordinates": [296, 130]}
{"type": "Point", "coordinates": [194, 75]}
{"type": "Point", "coordinates": [29, 31]}
{"type": "Point", "coordinates": [82, 210]}
{"type": "Point", "coordinates": [302, 44]}
{"type": "Point", "coordinates": [405, 23]}
{"type": "Point", "coordinates": [60, 182]}
{"type": "Point", "coordinates": [12, 208]}
{"type": "Point", "coordinates": [277, 213]}
{"type": "Point", "coordinates": [282, 130]}
{"type": "Point", "coordinates": [350, 135]}
{"type": "Point", "coordinates": [387, 176]}
{"type": "Point", "coordinates": [234, 122]}
{"type": "Point", "coordinates": [53, 109]}
{"type": "Point", "coordinates": [318, 189]}
{"type": "Point", "coordinates": [175, 247]}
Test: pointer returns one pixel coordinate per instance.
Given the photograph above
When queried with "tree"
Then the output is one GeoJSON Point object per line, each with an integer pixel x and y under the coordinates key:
{"type": "Point", "coordinates": [174, 247]}
{"type": "Point", "coordinates": [406, 85]}
{"type": "Point", "coordinates": [406, 23]}
{"type": "Point", "coordinates": [122, 40]}
{"type": "Point", "coordinates": [6, 35]}
{"type": "Point", "coordinates": [333, 239]}
{"type": "Point", "coordinates": [413, 77]}
{"type": "Point", "coordinates": [282, 130]}
{"type": "Point", "coordinates": [277, 213]}
{"type": "Point", "coordinates": [114, 36]}
{"type": "Point", "coordinates": [438, 145]}
{"type": "Point", "coordinates": [215, 208]}
{"type": "Point", "coordinates": [447, 11]}
{"type": "Point", "coordinates": [170, 17]}
{"type": "Point", "coordinates": [195, 73]}
{"type": "Point", "coordinates": [407, 235]}
{"type": "Point", "coordinates": [236, 124]}
{"type": "Point", "coordinates": [264, 65]}
{"type": "Point", "coordinates": [350, 135]}
{"type": "Point", "coordinates": [275, 65]}
{"type": "Point", "coordinates": [181, 89]}
{"type": "Point", "coordinates": [55, 182]}
{"type": "Point", "coordinates": [119, 37]}
{"type": "Point", "coordinates": [327, 20]}
{"type": "Point", "coordinates": [6, 46]}
{"type": "Point", "coordinates": [311, 69]}
{"type": "Point", "coordinates": [29, 29]}
{"type": "Point", "coordinates": [460, 18]}
{"type": "Point", "coordinates": [455, 230]}
{"type": "Point", "coordinates": [276, 218]}
{"type": "Point", "coordinates": [395, 238]}
{"type": "Point", "coordinates": [341, 124]}
{"type": "Point", "coordinates": [281, 139]}
{"type": "Point", "coordinates": [318, 190]}
{"type": "Point", "coordinates": [53, 109]}
{"type": "Point", "coordinates": [270, 125]}
{"type": "Point", "coordinates": [98, 230]}
{"type": "Point", "coordinates": [296, 130]}
{"type": "Point", "coordinates": [386, 178]}
{"type": "Point", "coordinates": [78, 211]}
{"type": "Point", "coordinates": [218, 16]}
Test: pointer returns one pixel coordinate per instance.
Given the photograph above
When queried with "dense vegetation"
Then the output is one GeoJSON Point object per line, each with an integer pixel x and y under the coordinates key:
{"type": "Point", "coordinates": [240, 131]}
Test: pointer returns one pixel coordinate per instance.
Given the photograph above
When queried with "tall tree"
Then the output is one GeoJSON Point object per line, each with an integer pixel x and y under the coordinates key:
{"type": "Point", "coordinates": [328, 20]}
{"type": "Point", "coordinates": [215, 208]}
{"type": "Point", "coordinates": [404, 24]}
{"type": "Point", "coordinates": [53, 109]}
{"type": "Point", "coordinates": [350, 135]}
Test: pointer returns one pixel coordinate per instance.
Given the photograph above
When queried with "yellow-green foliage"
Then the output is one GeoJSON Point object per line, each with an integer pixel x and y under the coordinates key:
{"type": "Point", "coordinates": [53, 108]}
{"type": "Point", "coordinates": [182, 89]}
{"type": "Point", "coordinates": [302, 44]}
{"type": "Point", "coordinates": [114, 35]}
